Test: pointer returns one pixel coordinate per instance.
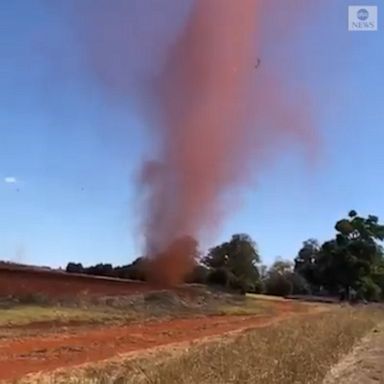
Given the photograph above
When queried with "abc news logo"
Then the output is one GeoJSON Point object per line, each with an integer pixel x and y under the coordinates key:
{"type": "Point", "coordinates": [362, 18]}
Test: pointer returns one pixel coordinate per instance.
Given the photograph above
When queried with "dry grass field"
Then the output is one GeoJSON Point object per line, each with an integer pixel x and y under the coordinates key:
{"type": "Point", "coordinates": [364, 364]}
{"type": "Point", "coordinates": [41, 336]}
{"type": "Point", "coordinates": [120, 334]}
{"type": "Point", "coordinates": [298, 349]}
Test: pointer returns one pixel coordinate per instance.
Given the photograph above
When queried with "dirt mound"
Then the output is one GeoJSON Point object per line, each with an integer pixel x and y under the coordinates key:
{"type": "Point", "coordinates": [59, 285]}
{"type": "Point", "coordinates": [184, 300]}
{"type": "Point", "coordinates": [164, 298]}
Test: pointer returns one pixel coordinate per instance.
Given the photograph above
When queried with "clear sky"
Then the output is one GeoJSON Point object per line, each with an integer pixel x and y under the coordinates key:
{"type": "Point", "coordinates": [68, 154]}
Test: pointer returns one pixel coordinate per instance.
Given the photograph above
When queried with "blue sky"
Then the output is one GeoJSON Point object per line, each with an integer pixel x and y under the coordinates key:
{"type": "Point", "coordinates": [68, 153]}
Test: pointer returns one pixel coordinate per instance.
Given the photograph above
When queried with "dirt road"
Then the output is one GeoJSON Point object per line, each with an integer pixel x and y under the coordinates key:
{"type": "Point", "coordinates": [364, 364]}
{"type": "Point", "coordinates": [71, 347]}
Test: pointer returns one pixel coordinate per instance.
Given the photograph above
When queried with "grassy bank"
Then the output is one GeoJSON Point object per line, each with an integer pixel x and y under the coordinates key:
{"type": "Point", "coordinates": [151, 306]}
{"type": "Point", "coordinates": [25, 315]}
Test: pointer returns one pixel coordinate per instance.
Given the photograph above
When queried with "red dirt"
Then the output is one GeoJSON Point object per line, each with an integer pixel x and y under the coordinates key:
{"type": "Point", "coordinates": [70, 346]}
{"type": "Point", "coordinates": [49, 352]}
{"type": "Point", "coordinates": [55, 284]}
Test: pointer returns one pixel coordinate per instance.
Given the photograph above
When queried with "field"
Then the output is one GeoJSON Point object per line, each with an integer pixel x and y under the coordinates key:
{"type": "Point", "coordinates": [60, 328]}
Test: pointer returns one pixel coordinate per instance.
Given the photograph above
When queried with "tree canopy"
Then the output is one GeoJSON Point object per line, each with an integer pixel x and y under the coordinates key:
{"type": "Point", "coordinates": [282, 280]}
{"type": "Point", "coordinates": [353, 259]}
{"type": "Point", "coordinates": [239, 256]}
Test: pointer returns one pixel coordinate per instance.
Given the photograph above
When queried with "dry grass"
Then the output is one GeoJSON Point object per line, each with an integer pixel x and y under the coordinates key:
{"type": "Point", "coordinates": [299, 351]}
{"type": "Point", "coordinates": [30, 314]}
{"type": "Point", "coordinates": [266, 297]}
{"type": "Point", "coordinates": [246, 306]}
{"type": "Point", "coordinates": [151, 306]}
{"type": "Point", "coordinates": [364, 364]}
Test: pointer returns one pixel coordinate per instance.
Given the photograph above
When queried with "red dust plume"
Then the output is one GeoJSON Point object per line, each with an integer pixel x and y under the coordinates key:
{"type": "Point", "coordinates": [214, 110]}
{"type": "Point", "coordinates": [208, 117]}
{"type": "Point", "coordinates": [202, 96]}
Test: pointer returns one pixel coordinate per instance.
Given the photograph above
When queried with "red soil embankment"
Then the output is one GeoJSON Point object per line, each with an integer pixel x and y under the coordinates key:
{"type": "Point", "coordinates": [54, 284]}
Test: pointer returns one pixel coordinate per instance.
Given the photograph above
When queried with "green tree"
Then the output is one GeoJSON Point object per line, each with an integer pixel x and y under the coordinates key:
{"type": "Point", "coordinates": [276, 281]}
{"type": "Point", "coordinates": [74, 268]}
{"type": "Point", "coordinates": [281, 266]}
{"type": "Point", "coordinates": [306, 263]}
{"type": "Point", "coordinates": [263, 270]}
{"type": "Point", "coordinates": [239, 256]}
{"type": "Point", "coordinates": [351, 260]}
{"type": "Point", "coordinates": [282, 280]}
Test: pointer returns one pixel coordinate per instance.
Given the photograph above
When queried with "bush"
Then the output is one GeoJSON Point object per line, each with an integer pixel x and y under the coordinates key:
{"type": "Point", "coordinates": [122, 272]}
{"type": "Point", "coordinates": [75, 268]}
{"type": "Point", "coordinates": [278, 284]}
{"type": "Point", "coordinates": [300, 286]}
{"type": "Point", "coordinates": [219, 276]}
{"type": "Point", "coordinates": [199, 275]}
{"type": "Point", "coordinates": [101, 270]}
{"type": "Point", "coordinates": [136, 272]}
{"type": "Point", "coordinates": [238, 284]}
{"type": "Point", "coordinates": [256, 287]}
{"type": "Point", "coordinates": [225, 278]}
{"type": "Point", "coordinates": [33, 299]}
{"type": "Point", "coordinates": [369, 290]}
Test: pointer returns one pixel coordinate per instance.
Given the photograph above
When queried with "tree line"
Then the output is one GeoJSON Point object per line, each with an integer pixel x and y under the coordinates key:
{"type": "Point", "coordinates": [350, 265]}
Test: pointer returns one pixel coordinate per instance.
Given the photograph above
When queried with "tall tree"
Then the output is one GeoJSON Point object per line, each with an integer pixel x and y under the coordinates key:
{"type": "Point", "coordinates": [282, 280]}
{"type": "Point", "coordinates": [281, 266]}
{"type": "Point", "coordinates": [351, 260]}
{"type": "Point", "coordinates": [306, 263]}
{"type": "Point", "coordinates": [239, 256]}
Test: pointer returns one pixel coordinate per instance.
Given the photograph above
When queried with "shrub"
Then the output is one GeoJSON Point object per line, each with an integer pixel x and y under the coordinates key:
{"type": "Point", "coordinates": [256, 287]}
{"type": "Point", "coordinates": [33, 299]}
{"type": "Point", "coordinates": [300, 286]}
{"type": "Point", "coordinates": [238, 284]}
{"type": "Point", "coordinates": [219, 276]}
{"type": "Point", "coordinates": [225, 278]}
{"type": "Point", "coordinates": [278, 284]}
{"type": "Point", "coordinates": [369, 290]}
{"type": "Point", "coordinates": [101, 270]}
{"type": "Point", "coordinates": [199, 275]}
{"type": "Point", "coordinates": [136, 272]}
{"type": "Point", "coordinates": [75, 268]}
